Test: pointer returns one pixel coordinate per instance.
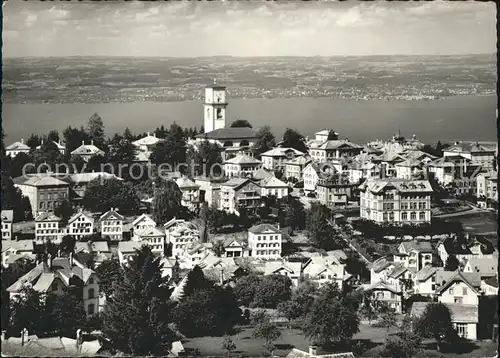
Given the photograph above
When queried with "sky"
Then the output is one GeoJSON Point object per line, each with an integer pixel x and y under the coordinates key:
{"type": "Point", "coordinates": [246, 28]}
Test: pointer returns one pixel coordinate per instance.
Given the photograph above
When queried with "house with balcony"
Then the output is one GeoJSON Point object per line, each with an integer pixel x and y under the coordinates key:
{"type": "Point", "coordinates": [385, 292]}
{"type": "Point", "coordinates": [294, 167]}
{"type": "Point", "coordinates": [414, 254]}
{"type": "Point", "coordinates": [52, 276]}
{"type": "Point", "coordinates": [274, 186]}
{"type": "Point", "coordinates": [16, 148]}
{"type": "Point", "coordinates": [87, 151]}
{"type": "Point", "coordinates": [142, 222]}
{"type": "Point", "coordinates": [325, 269]}
{"type": "Point", "coordinates": [242, 165]}
{"type": "Point", "coordinates": [402, 278]}
{"type": "Point", "coordinates": [265, 241]}
{"type": "Point", "coordinates": [47, 228]}
{"type": "Point", "coordinates": [190, 193]}
{"type": "Point", "coordinates": [7, 220]}
{"type": "Point", "coordinates": [153, 237]}
{"type": "Point", "coordinates": [335, 191]}
{"type": "Point", "coordinates": [111, 225]}
{"type": "Point", "coordinates": [396, 200]}
{"type": "Point", "coordinates": [239, 193]}
{"type": "Point", "coordinates": [80, 225]}
{"type": "Point", "coordinates": [181, 235]}
{"type": "Point", "coordinates": [293, 270]}
{"type": "Point", "coordinates": [276, 158]}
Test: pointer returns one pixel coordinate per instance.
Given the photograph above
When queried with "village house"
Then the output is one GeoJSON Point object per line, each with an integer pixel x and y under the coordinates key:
{"type": "Point", "coordinates": [335, 191]}
{"type": "Point", "coordinates": [275, 158]}
{"type": "Point", "coordinates": [408, 169]}
{"type": "Point", "coordinates": [384, 292]}
{"type": "Point", "coordinates": [7, 220]}
{"type": "Point", "coordinates": [195, 253]}
{"type": "Point", "coordinates": [141, 222]}
{"type": "Point", "coordinates": [190, 193]}
{"type": "Point", "coordinates": [111, 225]}
{"type": "Point", "coordinates": [357, 171]}
{"type": "Point", "coordinates": [98, 250]}
{"type": "Point", "coordinates": [80, 225]}
{"type": "Point", "coordinates": [479, 248]}
{"type": "Point", "coordinates": [239, 193]}
{"type": "Point", "coordinates": [387, 162]}
{"type": "Point", "coordinates": [241, 166]}
{"type": "Point", "coordinates": [79, 181]}
{"type": "Point", "coordinates": [414, 254]}
{"type": "Point", "coordinates": [325, 269]}
{"type": "Point", "coordinates": [209, 190]}
{"type": "Point", "coordinates": [146, 144]}
{"type": "Point", "coordinates": [60, 147]}
{"type": "Point", "coordinates": [402, 279]}
{"type": "Point", "coordinates": [295, 166]}
{"type": "Point", "coordinates": [44, 191]}
{"type": "Point", "coordinates": [396, 200]}
{"type": "Point", "coordinates": [234, 247]}
{"type": "Point", "coordinates": [47, 228]}
{"type": "Point", "coordinates": [153, 237]}
{"type": "Point", "coordinates": [425, 281]}
{"type": "Point", "coordinates": [483, 154]}
{"type": "Point", "coordinates": [293, 270]}
{"type": "Point", "coordinates": [489, 286]}
{"type": "Point", "coordinates": [486, 190]}
{"type": "Point", "coordinates": [87, 151]}
{"type": "Point", "coordinates": [310, 176]}
{"type": "Point", "coordinates": [485, 267]}
{"type": "Point", "coordinates": [13, 250]}
{"type": "Point", "coordinates": [181, 235]}
{"type": "Point", "coordinates": [16, 148]}
{"type": "Point", "coordinates": [274, 186]}
{"type": "Point", "coordinates": [380, 269]}
{"type": "Point", "coordinates": [126, 250]}
{"type": "Point", "coordinates": [333, 149]}
{"type": "Point", "coordinates": [264, 241]}
{"type": "Point", "coordinates": [55, 274]}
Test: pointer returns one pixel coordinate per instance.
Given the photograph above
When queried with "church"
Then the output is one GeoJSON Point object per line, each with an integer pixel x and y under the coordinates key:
{"type": "Point", "coordinates": [215, 115]}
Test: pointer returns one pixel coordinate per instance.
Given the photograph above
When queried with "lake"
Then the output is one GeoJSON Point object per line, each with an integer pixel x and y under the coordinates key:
{"type": "Point", "coordinates": [452, 118]}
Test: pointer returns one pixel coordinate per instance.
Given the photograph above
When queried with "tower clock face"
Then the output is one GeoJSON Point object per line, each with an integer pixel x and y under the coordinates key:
{"type": "Point", "coordinates": [218, 97]}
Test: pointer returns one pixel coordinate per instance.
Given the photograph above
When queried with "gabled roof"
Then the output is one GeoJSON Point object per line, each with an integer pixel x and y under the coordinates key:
{"type": "Point", "coordinates": [400, 185]}
{"type": "Point", "coordinates": [398, 270]}
{"type": "Point", "coordinates": [7, 216]}
{"type": "Point", "coordinates": [21, 245]}
{"type": "Point", "coordinates": [452, 247]}
{"type": "Point", "coordinates": [39, 180]}
{"type": "Point", "coordinates": [148, 140]}
{"type": "Point", "coordinates": [142, 217]}
{"type": "Point", "coordinates": [111, 215]}
{"type": "Point", "coordinates": [235, 183]}
{"type": "Point", "coordinates": [186, 183]}
{"type": "Point", "coordinates": [87, 177]}
{"type": "Point", "coordinates": [229, 133]}
{"type": "Point", "coordinates": [47, 216]}
{"type": "Point", "coordinates": [470, 147]}
{"type": "Point", "coordinates": [425, 273]}
{"type": "Point", "coordinates": [272, 266]}
{"type": "Point", "coordinates": [380, 264]}
{"type": "Point", "coordinates": [79, 214]}
{"type": "Point", "coordinates": [149, 232]}
{"type": "Point", "coordinates": [127, 247]}
{"type": "Point", "coordinates": [242, 159]}
{"type": "Point", "coordinates": [262, 174]}
{"type": "Point", "coordinates": [273, 182]}
{"type": "Point", "coordinates": [460, 313]}
{"type": "Point", "coordinates": [87, 149]}
{"type": "Point", "coordinates": [410, 163]}
{"type": "Point", "coordinates": [492, 281]}
{"type": "Point", "coordinates": [380, 286]}
{"type": "Point", "coordinates": [420, 246]}
{"type": "Point", "coordinates": [18, 146]}
{"type": "Point", "coordinates": [301, 161]}
{"type": "Point", "coordinates": [473, 281]}
{"type": "Point", "coordinates": [283, 152]}
{"type": "Point", "coordinates": [484, 266]}
{"type": "Point", "coordinates": [264, 228]}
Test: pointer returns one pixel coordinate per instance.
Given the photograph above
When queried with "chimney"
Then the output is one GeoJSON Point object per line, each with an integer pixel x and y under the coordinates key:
{"type": "Point", "coordinates": [3, 335]}
{"type": "Point", "coordinates": [22, 140]}
{"type": "Point", "coordinates": [313, 350]}
{"type": "Point", "coordinates": [78, 340]}
{"type": "Point", "coordinates": [83, 142]}
{"type": "Point", "coordinates": [24, 336]}
{"type": "Point", "coordinates": [154, 134]}
{"type": "Point", "coordinates": [41, 142]}
{"type": "Point", "coordinates": [49, 260]}
{"type": "Point", "coordinates": [148, 134]}
{"type": "Point", "coordinates": [92, 142]}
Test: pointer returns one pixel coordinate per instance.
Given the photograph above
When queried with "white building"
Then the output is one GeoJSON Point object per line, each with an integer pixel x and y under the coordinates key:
{"type": "Point", "coordinates": [324, 269]}
{"type": "Point", "coordinates": [7, 219]}
{"type": "Point", "coordinates": [215, 108]}
{"type": "Point", "coordinates": [274, 186]}
{"type": "Point", "coordinates": [294, 167]}
{"type": "Point", "coordinates": [13, 250]}
{"type": "Point", "coordinates": [310, 176]}
{"type": "Point", "coordinates": [153, 237]}
{"type": "Point", "coordinates": [190, 192]}
{"type": "Point", "coordinates": [241, 166]}
{"type": "Point", "coordinates": [147, 143]}
{"type": "Point", "coordinates": [487, 188]}
{"type": "Point", "coordinates": [239, 193]}
{"type": "Point", "coordinates": [87, 151]}
{"type": "Point", "coordinates": [483, 154]}
{"type": "Point", "coordinates": [181, 235]}
{"type": "Point", "coordinates": [276, 158]}
{"type": "Point", "coordinates": [47, 228]}
{"type": "Point", "coordinates": [16, 148]}
{"type": "Point", "coordinates": [80, 225]}
{"type": "Point", "coordinates": [111, 225]}
{"type": "Point", "coordinates": [292, 270]}
{"type": "Point", "coordinates": [396, 200]}
{"type": "Point", "coordinates": [126, 250]}
{"type": "Point", "coordinates": [142, 222]}
{"type": "Point", "coordinates": [264, 241]}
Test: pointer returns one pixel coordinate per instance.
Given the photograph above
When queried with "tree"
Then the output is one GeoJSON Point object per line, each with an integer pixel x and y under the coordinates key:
{"type": "Point", "coordinates": [330, 319]}
{"type": "Point", "coordinates": [74, 137]}
{"type": "Point", "coordinates": [122, 151]}
{"type": "Point", "coordinates": [241, 123]}
{"type": "Point", "coordinates": [12, 198]}
{"type": "Point", "coordinates": [161, 132]}
{"type": "Point", "coordinates": [293, 139]}
{"type": "Point", "coordinates": [166, 201]}
{"type": "Point", "coordinates": [406, 343]}
{"type": "Point", "coordinates": [127, 135]}
{"type": "Point", "coordinates": [272, 290]}
{"type": "Point", "coordinates": [64, 211]}
{"type": "Point", "coordinates": [67, 244]}
{"type": "Point", "coordinates": [205, 160]}
{"type": "Point", "coordinates": [294, 214]}
{"type": "Point", "coordinates": [452, 263]}
{"type": "Point", "coordinates": [269, 332]}
{"type": "Point", "coordinates": [53, 136]}
{"type": "Point", "coordinates": [47, 153]}
{"type": "Point", "coordinates": [355, 266]}
{"type": "Point", "coordinates": [176, 131]}
{"type": "Point", "coordinates": [219, 248]}
{"type": "Point", "coordinates": [196, 281]}
{"type": "Point", "coordinates": [245, 287]}
{"type": "Point", "coordinates": [67, 313]}
{"type": "Point", "coordinates": [95, 130]}
{"type": "Point", "coordinates": [435, 322]}
{"type": "Point", "coordinates": [109, 272]}
{"type": "Point", "coordinates": [320, 231]}
{"type": "Point", "coordinates": [18, 163]}
{"type": "Point", "coordinates": [301, 301]}
{"type": "Point", "coordinates": [265, 140]}
{"type": "Point", "coordinates": [137, 317]}
{"type": "Point", "coordinates": [171, 151]}
{"type": "Point", "coordinates": [102, 195]}
{"type": "Point", "coordinates": [33, 141]}
{"type": "Point", "coordinates": [27, 311]}
{"type": "Point", "coordinates": [388, 318]}
{"type": "Point", "coordinates": [228, 345]}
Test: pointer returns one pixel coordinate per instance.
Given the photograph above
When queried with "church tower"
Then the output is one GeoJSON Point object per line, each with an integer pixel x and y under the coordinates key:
{"type": "Point", "coordinates": [215, 107]}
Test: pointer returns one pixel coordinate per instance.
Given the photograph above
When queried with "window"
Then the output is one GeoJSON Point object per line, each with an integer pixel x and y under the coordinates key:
{"type": "Point", "coordinates": [91, 309]}
{"type": "Point", "coordinates": [450, 291]}
{"type": "Point", "coordinates": [413, 216]}
{"type": "Point", "coordinates": [464, 291]}
{"type": "Point", "coordinates": [422, 216]}
{"type": "Point", "coordinates": [404, 216]}
{"type": "Point", "coordinates": [91, 293]}
{"type": "Point", "coordinates": [91, 281]}
{"type": "Point", "coordinates": [461, 329]}
{"type": "Point", "coordinates": [458, 300]}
